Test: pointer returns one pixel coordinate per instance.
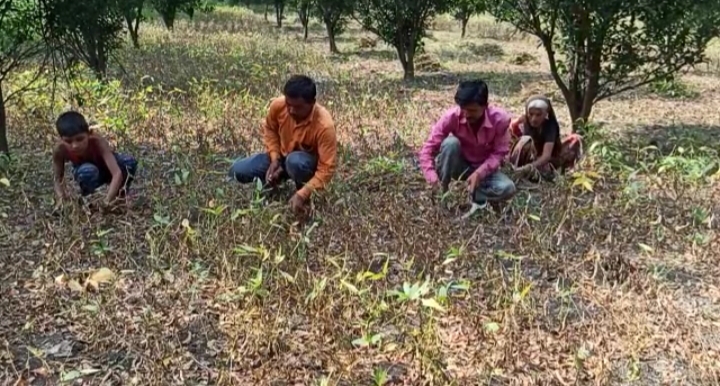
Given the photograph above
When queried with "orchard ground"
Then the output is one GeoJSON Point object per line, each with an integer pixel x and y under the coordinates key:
{"type": "Point", "coordinates": [609, 276]}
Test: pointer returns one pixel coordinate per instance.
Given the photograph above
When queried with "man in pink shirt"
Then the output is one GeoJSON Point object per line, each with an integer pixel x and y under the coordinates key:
{"type": "Point", "coordinates": [470, 142]}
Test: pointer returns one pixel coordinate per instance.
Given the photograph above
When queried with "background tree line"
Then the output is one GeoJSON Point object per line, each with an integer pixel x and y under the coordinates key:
{"type": "Point", "coordinates": [596, 48]}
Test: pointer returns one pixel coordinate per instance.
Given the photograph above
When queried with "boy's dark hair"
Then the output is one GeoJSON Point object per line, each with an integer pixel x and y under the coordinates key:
{"type": "Point", "coordinates": [71, 123]}
{"type": "Point", "coordinates": [300, 86]}
{"type": "Point", "coordinates": [472, 91]}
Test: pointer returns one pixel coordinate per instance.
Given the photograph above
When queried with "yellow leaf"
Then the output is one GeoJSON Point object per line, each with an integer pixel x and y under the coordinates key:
{"type": "Point", "coordinates": [588, 185]}
{"type": "Point", "coordinates": [287, 276]}
{"type": "Point", "coordinates": [533, 217]}
{"type": "Point", "coordinates": [350, 287]}
{"type": "Point", "coordinates": [492, 327]}
{"type": "Point", "coordinates": [60, 280]}
{"type": "Point", "coordinates": [645, 247]}
{"type": "Point", "coordinates": [432, 303]}
{"type": "Point", "coordinates": [525, 291]}
{"type": "Point", "coordinates": [92, 283]}
{"type": "Point", "coordinates": [449, 260]}
{"type": "Point", "coordinates": [5, 181]}
{"type": "Point", "coordinates": [102, 275]}
{"type": "Point", "coordinates": [75, 286]}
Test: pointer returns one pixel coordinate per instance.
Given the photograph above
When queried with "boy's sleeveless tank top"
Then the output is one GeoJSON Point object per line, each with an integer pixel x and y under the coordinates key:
{"type": "Point", "coordinates": [92, 156]}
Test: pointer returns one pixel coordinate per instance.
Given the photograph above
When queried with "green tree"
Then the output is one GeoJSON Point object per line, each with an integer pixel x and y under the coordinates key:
{"type": "Point", "coordinates": [88, 30]}
{"type": "Point", "coordinates": [400, 23]}
{"type": "Point", "coordinates": [599, 48]}
{"type": "Point", "coordinates": [303, 8]}
{"type": "Point", "coordinates": [465, 9]}
{"type": "Point", "coordinates": [334, 14]}
{"type": "Point", "coordinates": [169, 9]}
{"type": "Point", "coordinates": [21, 43]}
{"type": "Point", "coordinates": [279, 12]}
{"type": "Point", "coordinates": [133, 13]}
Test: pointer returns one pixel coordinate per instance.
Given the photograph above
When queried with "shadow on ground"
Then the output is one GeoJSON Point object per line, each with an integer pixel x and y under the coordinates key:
{"type": "Point", "coordinates": [500, 83]}
{"type": "Point", "coordinates": [667, 138]}
{"type": "Point", "coordinates": [383, 55]}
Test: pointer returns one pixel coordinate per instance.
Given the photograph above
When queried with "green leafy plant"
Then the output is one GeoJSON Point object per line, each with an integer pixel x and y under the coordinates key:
{"type": "Point", "coordinates": [22, 29]}
{"type": "Point", "coordinates": [87, 31]}
{"type": "Point", "coordinates": [334, 14]}
{"type": "Point", "coordinates": [402, 24]}
{"type": "Point", "coordinates": [464, 10]}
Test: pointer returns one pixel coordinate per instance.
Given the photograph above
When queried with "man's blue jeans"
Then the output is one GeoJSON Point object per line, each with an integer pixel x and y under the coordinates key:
{"type": "Point", "coordinates": [298, 166]}
{"type": "Point", "coordinates": [450, 165]}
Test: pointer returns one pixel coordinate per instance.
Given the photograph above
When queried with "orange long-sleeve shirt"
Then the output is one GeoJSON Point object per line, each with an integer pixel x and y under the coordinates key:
{"type": "Point", "coordinates": [315, 135]}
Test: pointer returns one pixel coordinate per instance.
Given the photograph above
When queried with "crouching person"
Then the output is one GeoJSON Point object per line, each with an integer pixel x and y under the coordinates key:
{"type": "Point", "coordinates": [470, 142]}
{"type": "Point", "coordinates": [539, 146]}
{"type": "Point", "coordinates": [94, 162]}
{"type": "Point", "coordinates": [300, 144]}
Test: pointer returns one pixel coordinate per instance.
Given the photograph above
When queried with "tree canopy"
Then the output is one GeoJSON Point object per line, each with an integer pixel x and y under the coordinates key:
{"type": "Point", "coordinates": [401, 23]}
{"type": "Point", "coordinates": [21, 42]}
{"type": "Point", "coordinates": [599, 48]}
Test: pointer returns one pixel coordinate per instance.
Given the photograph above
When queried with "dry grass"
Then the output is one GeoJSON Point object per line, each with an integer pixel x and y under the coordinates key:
{"type": "Point", "coordinates": [618, 285]}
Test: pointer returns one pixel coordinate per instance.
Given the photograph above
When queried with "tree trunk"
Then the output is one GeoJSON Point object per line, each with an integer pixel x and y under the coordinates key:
{"type": "Point", "coordinates": [133, 27]}
{"type": "Point", "coordinates": [330, 27]}
{"type": "Point", "coordinates": [4, 146]}
{"type": "Point", "coordinates": [279, 13]}
{"type": "Point", "coordinates": [568, 89]}
{"type": "Point", "coordinates": [304, 16]}
{"type": "Point", "coordinates": [267, 8]}
{"type": "Point", "coordinates": [463, 24]}
{"type": "Point", "coordinates": [407, 59]}
{"type": "Point", "coordinates": [100, 61]}
{"type": "Point", "coordinates": [169, 19]}
{"type": "Point", "coordinates": [580, 107]}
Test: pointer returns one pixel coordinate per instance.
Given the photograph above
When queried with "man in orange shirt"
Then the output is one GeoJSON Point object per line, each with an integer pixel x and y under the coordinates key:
{"type": "Point", "coordinates": [300, 143]}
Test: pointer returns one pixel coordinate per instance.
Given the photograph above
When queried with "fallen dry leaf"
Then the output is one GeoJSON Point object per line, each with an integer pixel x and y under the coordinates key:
{"type": "Point", "coordinates": [75, 286]}
{"type": "Point", "coordinates": [102, 275]}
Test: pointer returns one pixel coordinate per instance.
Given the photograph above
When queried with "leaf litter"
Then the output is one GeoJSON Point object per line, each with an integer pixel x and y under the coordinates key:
{"type": "Point", "coordinates": [562, 286]}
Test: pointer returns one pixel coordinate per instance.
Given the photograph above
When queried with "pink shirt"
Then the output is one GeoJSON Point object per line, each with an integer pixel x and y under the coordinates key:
{"type": "Point", "coordinates": [484, 150]}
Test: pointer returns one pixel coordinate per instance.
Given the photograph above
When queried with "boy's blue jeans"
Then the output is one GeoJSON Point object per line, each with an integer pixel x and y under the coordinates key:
{"type": "Point", "coordinates": [90, 176]}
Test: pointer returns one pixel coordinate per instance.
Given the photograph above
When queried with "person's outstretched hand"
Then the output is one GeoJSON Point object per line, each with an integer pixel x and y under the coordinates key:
{"type": "Point", "coordinates": [298, 204]}
{"type": "Point", "coordinates": [472, 183]}
{"type": "Point", "coordinates": [522, 170]}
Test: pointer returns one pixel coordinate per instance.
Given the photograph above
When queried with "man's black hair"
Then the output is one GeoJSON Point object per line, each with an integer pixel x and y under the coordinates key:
{"type": "Point", "coordinates": [71, 123]}
{"type": "Point", "coordinates": [472, 91]}
{"type": "Point", "coordinates": [300, 86]}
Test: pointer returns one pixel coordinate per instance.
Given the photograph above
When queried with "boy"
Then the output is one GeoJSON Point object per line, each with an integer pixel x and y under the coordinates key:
{"type": "Point", "coordinates": [94, 163]}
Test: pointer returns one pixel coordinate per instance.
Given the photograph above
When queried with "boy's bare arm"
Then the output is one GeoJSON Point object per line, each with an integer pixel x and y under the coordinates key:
{"type": "Point", "coordinates": [59, 172]}
{"type": "Point", "coordinates": [113, 167]}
